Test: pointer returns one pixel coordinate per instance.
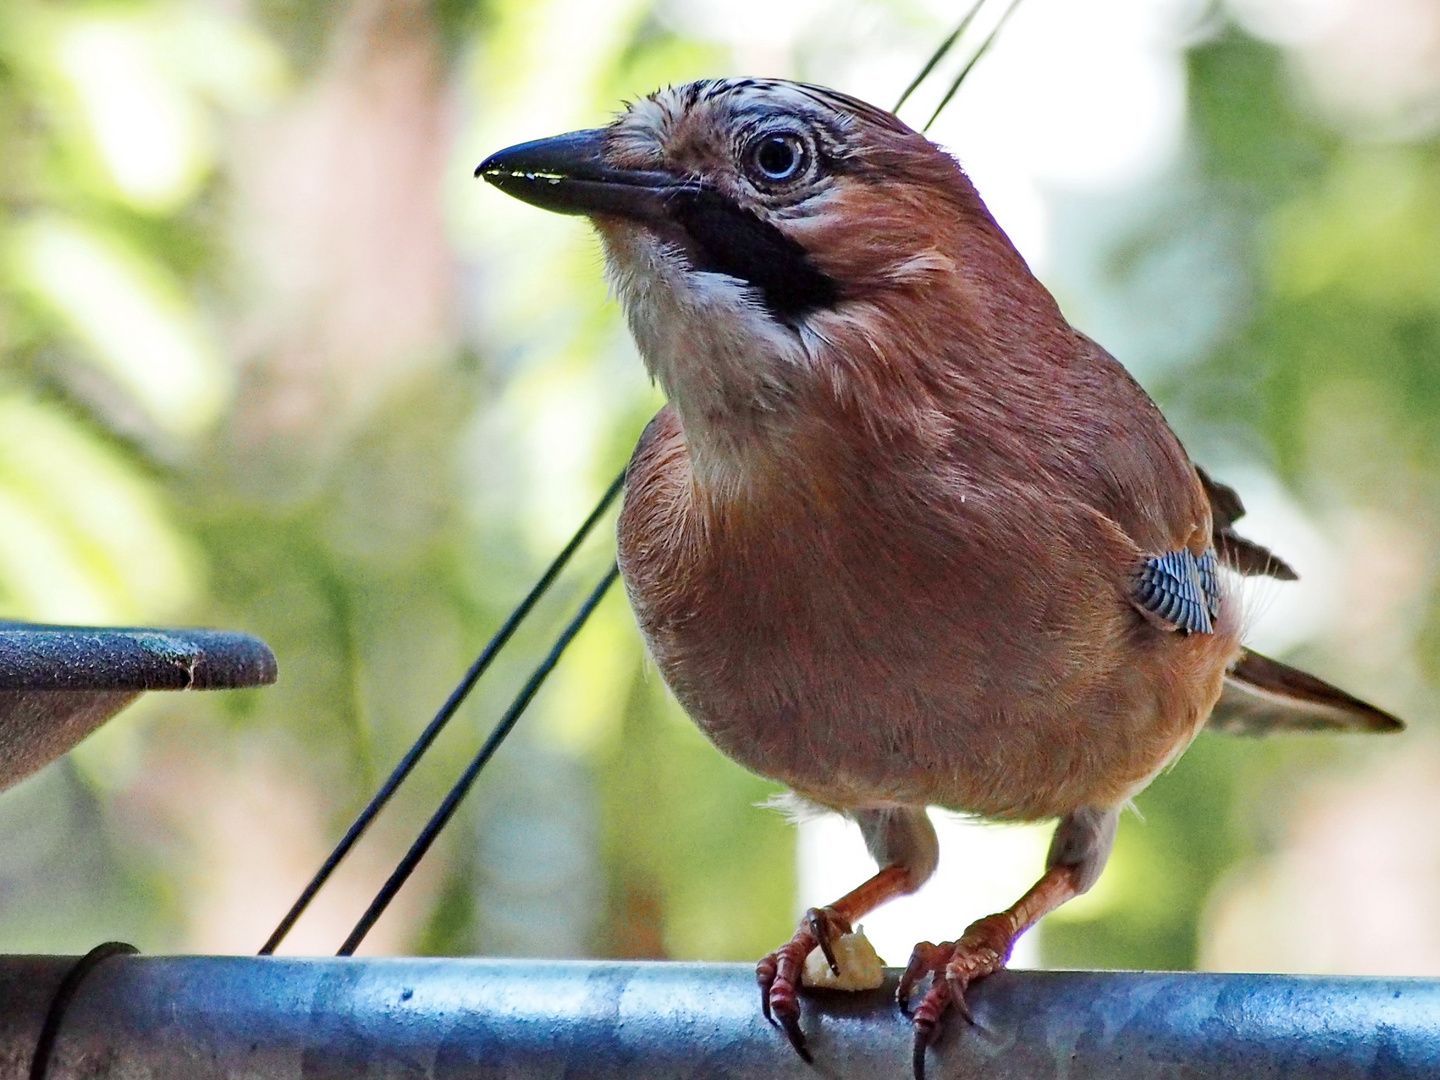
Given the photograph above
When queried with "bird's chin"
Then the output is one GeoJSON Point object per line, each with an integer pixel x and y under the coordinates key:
{"type": "Point", "coordinates": [649, 270]}
{"type": "Point", "coordinates": [646, 246]}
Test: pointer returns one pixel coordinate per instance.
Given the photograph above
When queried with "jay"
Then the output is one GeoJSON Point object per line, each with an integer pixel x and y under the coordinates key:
{"type": "Point", "coordinates": [902, 537]}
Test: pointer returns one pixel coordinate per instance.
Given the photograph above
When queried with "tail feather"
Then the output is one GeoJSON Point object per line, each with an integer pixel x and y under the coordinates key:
{"type": "Point", "coordinates": [1241, 555]}
{"type": "Point", "coordinates": [1263, 695]}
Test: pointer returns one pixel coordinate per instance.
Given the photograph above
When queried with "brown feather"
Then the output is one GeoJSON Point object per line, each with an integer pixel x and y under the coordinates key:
{"type": "Point", "coordinates": [1239, 554]}
{"type": "Point", "coordinates": [1263, 696]}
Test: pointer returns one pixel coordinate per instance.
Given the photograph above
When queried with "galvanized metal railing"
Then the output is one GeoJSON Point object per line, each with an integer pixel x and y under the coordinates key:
{"type": "Point", "coordinates": [227, 1018]}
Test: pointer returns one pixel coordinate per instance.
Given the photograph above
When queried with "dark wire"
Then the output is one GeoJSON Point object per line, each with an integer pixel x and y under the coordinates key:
{"type": "Point", "coordinates": [462, 786]}
{"type": "Point", "coordinates": [63, 996]}
{"type": "Point", "coordinates": [432, 731]}
{"type": "Point", "coordinates": [970, 65]}
{"type": "Point", "coordinates": [939, 54]}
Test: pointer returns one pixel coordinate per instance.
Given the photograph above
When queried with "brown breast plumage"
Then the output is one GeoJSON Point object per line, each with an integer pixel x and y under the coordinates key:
{"type": "Point", "coordinates": [883, 638]}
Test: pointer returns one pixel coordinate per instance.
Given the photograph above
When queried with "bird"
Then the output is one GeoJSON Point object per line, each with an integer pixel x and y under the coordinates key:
{"type": "Point", "coordinates": [901, 536]}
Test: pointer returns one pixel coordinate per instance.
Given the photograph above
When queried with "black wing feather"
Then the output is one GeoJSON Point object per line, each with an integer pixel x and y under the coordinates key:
{"type": "Point", "coordinates": [1241, 555]}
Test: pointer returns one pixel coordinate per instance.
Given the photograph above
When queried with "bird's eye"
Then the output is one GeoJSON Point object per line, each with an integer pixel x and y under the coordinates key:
{"type": "Point", "coordinates": [776, 159]}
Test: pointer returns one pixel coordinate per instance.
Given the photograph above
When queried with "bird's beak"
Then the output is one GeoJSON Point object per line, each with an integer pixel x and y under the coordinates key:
{"type": "Point", "coordinates": [568, 174]}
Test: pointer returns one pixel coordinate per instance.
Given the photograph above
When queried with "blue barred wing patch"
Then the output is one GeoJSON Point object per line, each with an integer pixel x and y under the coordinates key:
{"type": "Point", "coordinates": [1208, 567]}
{"type": "Point", "coordinates": [1180, 590]}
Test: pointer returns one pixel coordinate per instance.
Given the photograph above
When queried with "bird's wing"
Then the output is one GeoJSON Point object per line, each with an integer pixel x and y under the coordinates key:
{"type": "Point", "coordinates": [1179, 591]}
{"type": "Point", "coordinates": [1241, 555]}
{"type": "Point", "coordinates": [1263, 695]}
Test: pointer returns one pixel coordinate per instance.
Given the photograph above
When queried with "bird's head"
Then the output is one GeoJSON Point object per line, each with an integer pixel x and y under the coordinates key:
{"type": "Point", "coordinates": [763, 234]}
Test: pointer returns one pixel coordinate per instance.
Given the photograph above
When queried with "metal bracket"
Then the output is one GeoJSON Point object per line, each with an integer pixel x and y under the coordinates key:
{"type": "Point", "coordinates": [59, 683]}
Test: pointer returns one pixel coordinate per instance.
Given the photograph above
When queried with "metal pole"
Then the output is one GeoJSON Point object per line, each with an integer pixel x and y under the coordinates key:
{"type": "Point", "coordinates": [208, 1018]}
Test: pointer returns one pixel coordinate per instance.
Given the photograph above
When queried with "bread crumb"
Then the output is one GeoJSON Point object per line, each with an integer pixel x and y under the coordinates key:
{"type": "Point", "coordinates": [860, 967]}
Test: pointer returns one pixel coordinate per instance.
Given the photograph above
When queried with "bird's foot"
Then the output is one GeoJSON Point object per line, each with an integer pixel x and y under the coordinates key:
{"type": "Point", "coordinates": [953, 965]}
{"type": "Point", "coordinates": [779, 973]}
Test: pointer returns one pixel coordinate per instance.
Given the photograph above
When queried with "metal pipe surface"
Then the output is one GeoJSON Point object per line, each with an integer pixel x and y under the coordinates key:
{"type": "Point", "coordinates": [204, 1018]}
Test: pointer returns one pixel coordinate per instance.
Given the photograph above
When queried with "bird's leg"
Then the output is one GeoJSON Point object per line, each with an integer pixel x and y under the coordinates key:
{"type": "Point", "coordinates": [902, 841]}
{"type": "Point", "coordinates": [1078, 852]}
{"type": "Point", "coordinates": [982, 950]}
{"type": "Point", "coordinates": [779, 973]}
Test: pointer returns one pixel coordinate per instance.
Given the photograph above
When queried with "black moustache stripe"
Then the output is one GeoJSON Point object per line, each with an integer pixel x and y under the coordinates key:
{"type": "Point", "coordinates": [728, 239]}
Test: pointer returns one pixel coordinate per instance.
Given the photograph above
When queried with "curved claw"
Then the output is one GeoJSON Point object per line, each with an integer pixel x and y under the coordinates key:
{"type": "Point", "coordinates": [778, 974]}
{"type": "Point", "coordinates": [790, 1024]}
{"type": "Point", "coordinates": [917, 1055]}
{"type": "Point", "coordinates": [953, 965]}
{"type": "Point", "coordinates": [957, 989]}
{"type": "Point", "coordinates": [926, 958]}
{"type": "Point", "coordinates": [820, 930]}
{"type": "Point", "coordinates": [823, 924]}
{"type": "Point", "coordinates": [765, 972]}
{"type": "Point", "coordinates": [779, 978]}
{"type": "Point", "coordinates": [927, 1023]}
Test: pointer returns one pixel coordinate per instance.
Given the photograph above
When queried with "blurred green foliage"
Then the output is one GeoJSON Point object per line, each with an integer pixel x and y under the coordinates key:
{"type": "Point", "coordinates": [365, 545]}
{"type": "Point", "coordinates": [1331, 374]}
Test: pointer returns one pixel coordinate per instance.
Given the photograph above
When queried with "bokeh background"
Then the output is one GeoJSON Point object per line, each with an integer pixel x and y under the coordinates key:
{"type": "Point", "coordinates": [271, 360]}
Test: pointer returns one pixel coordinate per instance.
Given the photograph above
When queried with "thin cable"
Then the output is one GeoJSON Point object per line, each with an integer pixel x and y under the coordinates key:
{"type": "Point", "coordinates": [462, 786]}
{"type": "Point", "coordinates": [63, 996]}
{"type": "Point", "coordinates": [939, 54]}
{"type": "Point", "coordinates": [970, 65]}
{"type": "Point", "coordinates": [432, 731]}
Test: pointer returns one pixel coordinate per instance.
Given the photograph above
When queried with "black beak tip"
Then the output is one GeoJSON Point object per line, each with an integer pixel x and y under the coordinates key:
{"type": "Point", "coordinates": [567, 174]}
{"type": "Point", "coordinates": [486, 168]}
{"type": "Point", "coordinates": [561, 155]}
